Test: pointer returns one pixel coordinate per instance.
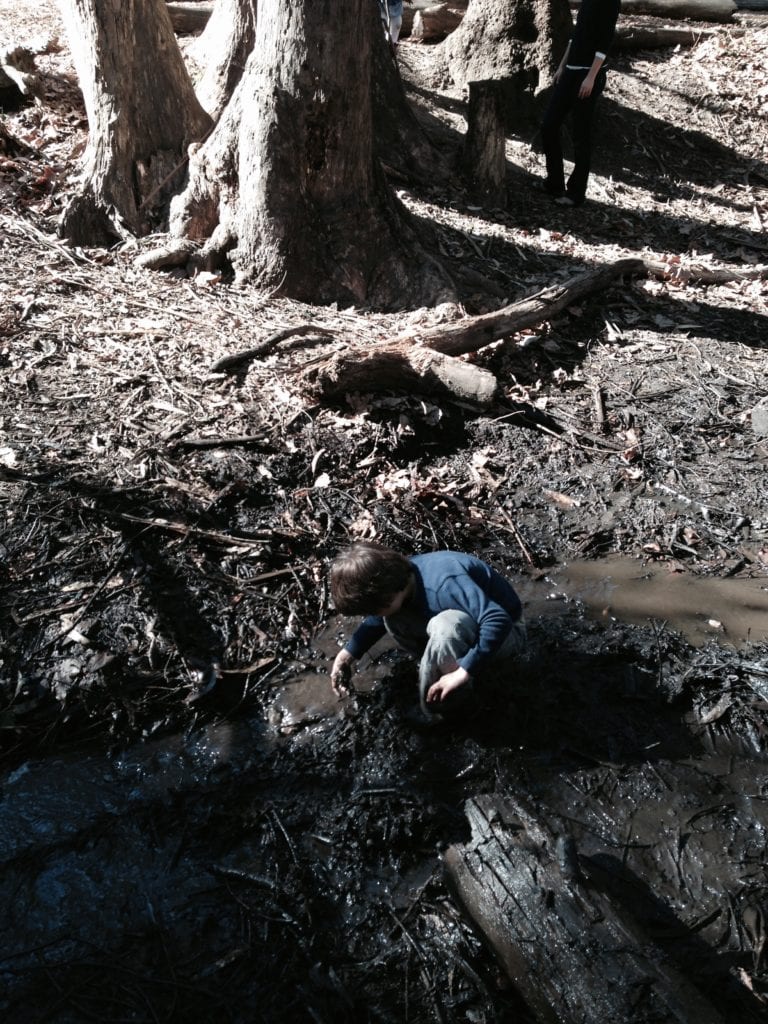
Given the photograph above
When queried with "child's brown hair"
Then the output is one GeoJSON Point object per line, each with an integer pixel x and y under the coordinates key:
{"type": "Point", "coordinates": [366, 577]}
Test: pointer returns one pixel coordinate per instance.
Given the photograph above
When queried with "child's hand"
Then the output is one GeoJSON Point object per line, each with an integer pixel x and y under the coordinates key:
{"type": "Point", "coordinates": [446, 684]}
{"type": "Point", "coordinates": [341, 672]}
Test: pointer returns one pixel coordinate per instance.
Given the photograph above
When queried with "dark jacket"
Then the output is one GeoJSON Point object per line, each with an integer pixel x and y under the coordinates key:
{"type": "Point", "coordinates": [594, 30]}
{"type": "Point", "coordinates": [446, 580]}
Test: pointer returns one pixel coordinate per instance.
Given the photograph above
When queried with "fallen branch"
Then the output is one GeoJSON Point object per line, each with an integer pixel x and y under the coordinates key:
{"type": "Point", "coordinates": [236, 360]}
{"type": "Point", "coordinates": [426, 361]}
{"type": "Point", "coordinates": [699, 274]}
{"type": "Point", "coordinates": [696, 10]}
{"type": "Point", "coordinates": [185, 530]}
{"type": "Point", "coordinates": [220, 442]}
{"type": "Point", "coordinates": [656, 37]}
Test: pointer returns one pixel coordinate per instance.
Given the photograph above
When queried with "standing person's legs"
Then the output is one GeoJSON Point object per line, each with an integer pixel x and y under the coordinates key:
{"type": "Point", "coordinates": [395, 24]}
{"type": "Point", "coordinates": [583, 119]}
{"type": "Point", "coordinates": [562, 99]}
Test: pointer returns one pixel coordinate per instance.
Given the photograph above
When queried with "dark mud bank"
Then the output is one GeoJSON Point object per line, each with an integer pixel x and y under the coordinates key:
{"type": "Point", "coordinates": [288, 864]}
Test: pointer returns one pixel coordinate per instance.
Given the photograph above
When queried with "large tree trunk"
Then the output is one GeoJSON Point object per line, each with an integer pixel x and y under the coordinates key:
{"type": "Point", "coordinates": [516, 44]}
{"type": "Point", "coordinates": [287, 186]}
{"type": "Point", "coordinates": [400, 143]}
{"type": "Point", "coordinates": [483, 156]}
{"type": "Point", "coordinates": [222, 50]}
{"type": "Point", "coordinates": [142, 114]}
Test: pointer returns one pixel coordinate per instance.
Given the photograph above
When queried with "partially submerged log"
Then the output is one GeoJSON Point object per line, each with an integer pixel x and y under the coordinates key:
{"type": "Point", "coordinates": [573, 953]}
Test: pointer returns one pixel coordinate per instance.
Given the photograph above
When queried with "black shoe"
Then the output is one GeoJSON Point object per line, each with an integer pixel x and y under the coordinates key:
{"type": "Point", "coordinates": [567, 200]}
{"type": "Point", "coordinates": [553, 193]}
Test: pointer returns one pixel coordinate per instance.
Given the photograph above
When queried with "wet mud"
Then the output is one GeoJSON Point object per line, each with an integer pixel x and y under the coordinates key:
{"type": "Point", "coordinates": [288, 865]}
{"type": "Point", "coordinates": [701, 608]}
{"type": "Point", "coordinates": [192, 826]}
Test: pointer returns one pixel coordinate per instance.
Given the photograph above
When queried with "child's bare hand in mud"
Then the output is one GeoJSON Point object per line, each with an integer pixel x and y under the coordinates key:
{"type": "Point", "coordinates": [341, 673]}
{"type": "Point", "coordinates": [446, 684]}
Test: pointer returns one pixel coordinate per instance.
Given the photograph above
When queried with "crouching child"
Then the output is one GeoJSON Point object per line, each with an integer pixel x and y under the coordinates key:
{"type": "Point", "coordinates": [451, 611]}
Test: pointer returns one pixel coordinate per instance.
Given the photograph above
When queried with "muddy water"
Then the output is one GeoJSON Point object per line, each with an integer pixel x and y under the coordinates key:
{"type": "Point", "coordinates": [733, 611]}
{"type": "Point", "coordinates": [729, 611]}
{"type": "Point", "coordinates": [665, 805]}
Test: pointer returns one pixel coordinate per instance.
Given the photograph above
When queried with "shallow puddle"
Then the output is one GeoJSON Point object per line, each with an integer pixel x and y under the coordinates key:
{"type": "Point", "coordinates": [734, 611]}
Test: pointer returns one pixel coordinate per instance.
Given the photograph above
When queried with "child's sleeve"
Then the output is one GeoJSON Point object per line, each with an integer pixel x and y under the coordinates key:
{"type": "Point", "coordinates": [365, 636]}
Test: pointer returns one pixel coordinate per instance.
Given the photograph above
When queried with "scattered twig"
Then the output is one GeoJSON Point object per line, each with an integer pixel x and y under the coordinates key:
{"type": "Point", "coordinates": [192, 531]}
{"type": "Point", "coordinates": [237, 359]}
{"type": "Point", "coordinates": [530, 559]}
{"type": "Point", "coordinates": [220, 442]}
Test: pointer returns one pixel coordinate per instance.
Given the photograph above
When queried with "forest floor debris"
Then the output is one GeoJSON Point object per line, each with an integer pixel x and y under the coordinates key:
{"type": "Point", "coordinates": [188, 827]}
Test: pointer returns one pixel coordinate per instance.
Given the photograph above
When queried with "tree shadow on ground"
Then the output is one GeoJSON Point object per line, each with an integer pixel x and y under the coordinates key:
{"type": "Point", "coordinates": [633, 148]}
{"type": "Point", "coordinates": [504, 262]}
{"type": "Point", "coordinates": [713, 970]}
{"type": "Point", "coordinates": [583, 695]}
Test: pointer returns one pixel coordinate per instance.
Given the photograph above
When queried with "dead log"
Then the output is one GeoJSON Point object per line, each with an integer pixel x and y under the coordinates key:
{"type": "Point", "coordinates": [656, 37]}
{"type": "Point", "coordinates": [483, 157]}
{"type": "Point", "coordinates": [475, 332]}
{"type": "Point", "coordinates": [410, 361]}
{"type": "Point", "coordinates": [187, 19]}
{"type": "Point", "coordinates": [574, 954]}
{"type": "Point", "coordinates": [401, 367]}
{"type": "Point", "coordinates": [436, 22]}
{"type": "Point", "coordinates": [18, 75]}
{"type": "Point", "coordinates": [410, 10]}
{"type": "Point", "coordinates": [696, 10]}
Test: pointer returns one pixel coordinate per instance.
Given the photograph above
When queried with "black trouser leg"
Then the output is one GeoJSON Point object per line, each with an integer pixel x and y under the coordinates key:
{"type": "Point", "coordinates": [582, 121]}
{"type": "Point", "coordinates": [562, 99]}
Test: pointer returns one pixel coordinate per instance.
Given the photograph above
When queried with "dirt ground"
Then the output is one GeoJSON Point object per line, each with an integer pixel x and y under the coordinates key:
{"type": "Point", "coordinates": [190, 825]}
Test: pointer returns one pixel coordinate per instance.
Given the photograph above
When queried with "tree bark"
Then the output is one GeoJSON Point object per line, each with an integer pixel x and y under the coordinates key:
{"type": "Point", "coordinates": [222, 50]}
{"type": "Point", "coordinates": [572, 953]}
{"type": "Point", "coordinates": [142, 114]}
{"type": "Point", "coordinates": [400, 142]}
{"type": "Point", "coordinates": [483, 157]}
{"type": "Point", "coordinates": [516, 44]}
{"type": "Point", "coordinates": [287, 186]}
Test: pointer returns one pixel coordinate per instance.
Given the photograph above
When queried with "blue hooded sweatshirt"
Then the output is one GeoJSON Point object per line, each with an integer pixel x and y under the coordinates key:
{"type": "Point", "coordinates": [450, 580]}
